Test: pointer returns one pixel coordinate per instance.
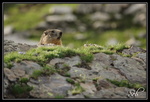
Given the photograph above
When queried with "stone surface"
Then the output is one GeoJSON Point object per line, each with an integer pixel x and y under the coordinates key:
{"type": "Point", "coordinates": [49, 87]}
{"type": "Point", "coordinates": [132, 69]}
{"type": "Point", "coordinates": [60, 10]}
{"type": "Point", "coordinates": [9, 74]}
{"type": "Point", "coordinates": [100, 16]}
{"type": "Point", "coordinates": [8, 30]}
{"type": "Point", "coordinates": [27, 66]}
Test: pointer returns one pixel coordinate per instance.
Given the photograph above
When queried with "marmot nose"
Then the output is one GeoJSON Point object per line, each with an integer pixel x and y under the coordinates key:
{"type": "Point", "coordinates": [60, 33]}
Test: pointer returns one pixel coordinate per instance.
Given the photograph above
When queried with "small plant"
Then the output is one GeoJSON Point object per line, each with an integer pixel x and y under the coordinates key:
{"type": "Point", "coordinates": [20, 89]}
{"type": "Point", "coordinates": [77, 90]}
{"type": "Point", "coordinates": [67, 74]}
{"type": "Point", "coordinates": [69, 80]}
{"type": "Point", "coordinates": [24, 80]}
{"type": "Point", "coordinates": [36, 73]}
{"type": "Point", "coordinates": [48, 70]}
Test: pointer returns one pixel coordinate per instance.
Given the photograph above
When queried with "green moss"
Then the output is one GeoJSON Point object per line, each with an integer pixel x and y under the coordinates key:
{"type": "Point", "coordinates": [59, 96]}
{"type": "Point", "coordinates": [20, 89]}
{"type": "Point", "coordinates": [69, 80]}
{"type": "Point", "coordinates": [67, 74]}
{"type": "Point", "coordinates": [42, 55]}
{"type": "Point", "coordinates": [24, 80]}
{"type": "Point", "coordinates": [126, 83]}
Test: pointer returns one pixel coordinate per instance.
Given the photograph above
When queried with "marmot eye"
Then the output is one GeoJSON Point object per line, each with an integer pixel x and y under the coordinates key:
{"type": "Point", "coordinates": [45, 33]}
{"type": "Point", "coordinates": [53, 31]}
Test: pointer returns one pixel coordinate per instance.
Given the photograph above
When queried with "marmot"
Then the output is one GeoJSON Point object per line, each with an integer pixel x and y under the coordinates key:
{"type": "Point", "coordinates": [51, 36]}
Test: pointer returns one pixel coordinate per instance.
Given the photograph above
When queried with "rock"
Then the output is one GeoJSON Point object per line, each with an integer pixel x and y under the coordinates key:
{"type": "Point", "coordinates": [42, 26]}
{"type": "Point", "coordinates": [100, 16]}
{"type": "Point", "coordinates": [118, 16]}
{"type": "Point", "coordinates": [80, 37]}
{"type": "Point", "coordinates": [76, 96]}
{"type": "Point", "coordinates": [60, 10]}
{"type": "Point", "coordinates": [49, 87]}
{"type": "Point", "coordinates": [27, 66]}
{"type": "Point", "coordinates": [100, 25]}
{"type": "Point", "coordinates": [112, 8]}
{"type": "Point", "coordinates": [132, 50]}
{"type": "Point", "coordinates": [18, 72]}
{"type": "Point", "coordinates": [8, 30]}
{"type": "Point", "coordinates": [135, 8]}
{"type": "Point", "coordinates": [9, 74]}
{"type": "Point", "coordinates": [142, 56]}
{"type": "Point", "coordinates": [101, 83]}
{"type": "Point", "coordinates": [55, 61]}
{"type": "Point", "coordinates": [72, 61]}
{"type": "Point", "coordinates": [62, 18]}
{"type": "Point", "coordinates": [133, 42]}
{"type": "Point", "coordinates": [130, 68]}
{"type": "Point", "coordinates": [119, 92]}
{"type": "Point", "coordinates": [142, 35]}
{"type": "Point", "coordinates": [140, 19]}
{"type": "Point", "coordinates": [89, 8]}
{"type": "Point", "coordinates": [89, 88]}
{"type": "Point", "coordinates": [112, 41]}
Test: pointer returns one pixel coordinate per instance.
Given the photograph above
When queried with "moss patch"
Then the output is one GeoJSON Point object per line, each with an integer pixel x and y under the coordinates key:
{"type": "Point", "coordinates": [126, 83]}
{"type": "Point", "coordinates": [43, 55]}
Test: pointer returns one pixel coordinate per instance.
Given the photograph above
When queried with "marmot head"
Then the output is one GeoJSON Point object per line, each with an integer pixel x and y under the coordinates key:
{"type": "Point", "coordinates": [53, 33]}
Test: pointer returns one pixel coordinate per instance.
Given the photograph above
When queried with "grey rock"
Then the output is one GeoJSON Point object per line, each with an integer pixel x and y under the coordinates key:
{"type": "Point", "coordinates": [9, 74]}
{"type": "Point", "coordinates": [119, 92]}
{"type": "Point", "coordinates": [61, 10]}
{"type": "Point", "coordinates": [80, 37]}
{"type": "Point", "coordinates": [142, 35]}
{"type": "Point", "coordinates": [132, 69]}
{"type": "Point", "coordinates": [42, 26]}
{"type": "Point", "coordinates": [142, 56]}
{"type": "Point", "coordinates": [27, 66]}
{"type": "Point", "coordinates": [135, 8]}
{"type": "Point", "coordinates": [112, 41]}
{"type": "Point", "coordinates": [140, 19]}
{"type": "Point", "coordinates": [89, 8]}
{"type": "Point", "coordinates": [49, 87]}
{"type": "Point", "coordinates": [61, 18]}
{"type": "Point", "coordinates": [133, 41]}
{"type": "Point", "coordinates": [18, 72]}
{"type": "Point", "coordinates": [8, 30]}
{"type": "Point", "coordinates": [55, 61]}
{"type": "Point", "coordinates": [89, 88]}
{"type": "Point", "coordinates": [72, 61]}
{"type": "Point", "coordinates": [100, 16]}
{"type": "Point", "coordinates": [113, 8]}
{"type": "Point", "coordinates": [76, 96]}
{"type": "Point", "coordinates": [132, 50]}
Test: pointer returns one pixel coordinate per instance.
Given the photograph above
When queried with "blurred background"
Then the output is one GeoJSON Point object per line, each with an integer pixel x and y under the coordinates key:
{"type": "Point", "coordinates": [103, 24]}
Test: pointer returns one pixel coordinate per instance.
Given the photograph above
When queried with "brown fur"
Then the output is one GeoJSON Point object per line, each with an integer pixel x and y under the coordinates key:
{"type": "Point", "coordinates": [51, 36]}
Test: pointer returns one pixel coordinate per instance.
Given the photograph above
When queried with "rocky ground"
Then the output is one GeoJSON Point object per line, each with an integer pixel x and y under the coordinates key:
{"type": "Point", "coordinates": [106, 76]}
